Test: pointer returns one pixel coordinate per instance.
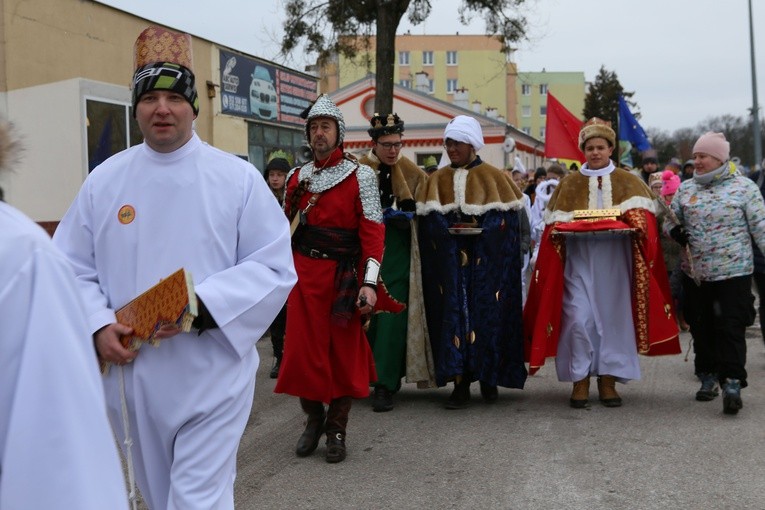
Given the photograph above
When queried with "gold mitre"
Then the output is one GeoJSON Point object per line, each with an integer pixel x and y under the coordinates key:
{"type": "Point", "coordinates": [157, 44]}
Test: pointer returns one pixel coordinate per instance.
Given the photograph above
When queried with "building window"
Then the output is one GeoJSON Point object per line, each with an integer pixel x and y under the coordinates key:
{"type": "Point", "coordinates": [405, 83]}
{"type": "Point", "coordinates": [526, 111]}
{"type": "Point", "coordinates": [525, 89]}
{"type": "Point", "coordinates": [403, 58]}
{"type": "Point", "coordinates": [432, 89]}
{"type": "Point", "coordinates": [543, 111]}
{"type": "Point", "coordinates": [526, 130]}
{"type": "Point", "coordinates": [542, 133]}
{"type": "Point", "coordinates": [111, 129]}
{"type": "Point", "coordinates": [451, 86]}
{"type": "Point", "coordinates": [427, 58]}
{"type": "Point", "coordinates": [451, 58]}
{"type": "Point", "coordinates": [543, 89]}
{"type": "Point", "coordinates": [263, 140]}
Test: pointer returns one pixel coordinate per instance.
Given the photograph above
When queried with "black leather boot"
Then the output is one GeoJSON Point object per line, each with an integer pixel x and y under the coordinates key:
{"type": "Point", "coordinates": [460, 397]}
{"type": "Point", "coordinates": [337, 420]}
{"type": "Point", "coordinates": [314, 427]}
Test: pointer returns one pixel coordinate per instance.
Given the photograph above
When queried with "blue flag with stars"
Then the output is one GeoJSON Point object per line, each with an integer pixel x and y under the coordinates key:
{"type": "Point", "coordinates": [629, 129]}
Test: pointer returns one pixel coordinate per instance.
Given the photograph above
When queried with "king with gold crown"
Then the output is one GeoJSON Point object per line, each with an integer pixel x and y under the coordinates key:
{"type": "Point", "coordinates": [599, 293]}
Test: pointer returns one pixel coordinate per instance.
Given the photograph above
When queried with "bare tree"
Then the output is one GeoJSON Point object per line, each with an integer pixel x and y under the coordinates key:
{"type": "Point", "coordinates": [344, 27]}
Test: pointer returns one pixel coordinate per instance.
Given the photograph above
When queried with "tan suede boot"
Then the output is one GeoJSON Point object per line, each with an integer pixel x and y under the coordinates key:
{"type": "Point", "coordinates": [580, 394]}
{"type": "Point", "coordinates": [607, 391]}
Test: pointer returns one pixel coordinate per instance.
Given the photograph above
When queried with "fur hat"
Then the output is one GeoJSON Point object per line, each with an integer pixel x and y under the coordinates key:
{"type": "Point", "coordinates": [670, 182]}
{"type": "Point", "coordinates": [162, 61]}
{"type": "Point", "coordinates": [383, 125]}
{"type": "Point", "coordinates": [713, 144]}
{"type": "Point", "coordinates": [597, 128]}
{"type": "Point", "coordinates": [324, 107]}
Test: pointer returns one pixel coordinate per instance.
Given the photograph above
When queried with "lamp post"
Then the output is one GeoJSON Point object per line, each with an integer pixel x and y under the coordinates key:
{"type": "Point", "coordinates": [755, 106]}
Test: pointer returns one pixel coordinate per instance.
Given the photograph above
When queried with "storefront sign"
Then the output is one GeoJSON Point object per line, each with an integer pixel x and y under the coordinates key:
{"type": "Point", "coordinates": [253, 89]}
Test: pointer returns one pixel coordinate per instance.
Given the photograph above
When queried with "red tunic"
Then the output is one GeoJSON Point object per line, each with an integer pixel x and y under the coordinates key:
{"type": "Point", "coordinates": [656, 330]}
{"type": "Point", "coordinates": [322, 359]}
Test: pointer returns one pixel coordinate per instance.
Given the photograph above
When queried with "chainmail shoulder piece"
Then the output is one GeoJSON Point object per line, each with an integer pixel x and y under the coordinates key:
{"type": "Point", "coordinates": [369, 193]}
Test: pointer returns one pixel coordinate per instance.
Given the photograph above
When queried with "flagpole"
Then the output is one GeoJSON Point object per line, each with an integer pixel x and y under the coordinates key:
{"type": "Point", "coordinates": [755, 106]}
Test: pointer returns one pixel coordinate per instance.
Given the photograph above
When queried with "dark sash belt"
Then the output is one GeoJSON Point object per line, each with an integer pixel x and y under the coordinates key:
{"type": "Point", "coordinates": [342, 245]}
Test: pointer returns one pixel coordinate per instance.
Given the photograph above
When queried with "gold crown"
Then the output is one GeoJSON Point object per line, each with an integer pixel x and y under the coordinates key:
{"type": "Point", "coordinates": [597, 128]}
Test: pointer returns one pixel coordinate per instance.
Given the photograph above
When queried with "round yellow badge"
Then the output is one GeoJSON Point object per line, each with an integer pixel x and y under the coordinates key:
{"type": "Point", "coordinates": [126, 214]}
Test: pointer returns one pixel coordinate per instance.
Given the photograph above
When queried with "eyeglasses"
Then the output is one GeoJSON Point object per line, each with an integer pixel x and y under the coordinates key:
{"type": "Point", "coordinates": [390, 145]}
{"type": "Point", "coordinates": [452, 144]}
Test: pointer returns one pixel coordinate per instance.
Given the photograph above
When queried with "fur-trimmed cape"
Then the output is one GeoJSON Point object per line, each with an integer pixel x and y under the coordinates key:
{"type": "Point", "coordinates": [406, 177]}
{"type": "Point", "coordinates": [475, 191]}
{"type": "Point", "coordinates": [620, 189]}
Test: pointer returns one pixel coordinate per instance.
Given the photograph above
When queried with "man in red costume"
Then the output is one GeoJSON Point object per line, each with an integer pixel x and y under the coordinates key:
{"type": "Point", "coordinates": [599, 293]}
{"type": "Point", "coordinates": [335, 203]}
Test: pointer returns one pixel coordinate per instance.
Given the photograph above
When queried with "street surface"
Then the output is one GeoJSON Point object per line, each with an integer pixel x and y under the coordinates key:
{"type": "Point", "coordinates": [661, 450]}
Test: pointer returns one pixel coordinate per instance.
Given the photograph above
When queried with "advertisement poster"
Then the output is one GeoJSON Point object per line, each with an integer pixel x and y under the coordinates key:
{"type": "Point", "coordinates": [253, 89]}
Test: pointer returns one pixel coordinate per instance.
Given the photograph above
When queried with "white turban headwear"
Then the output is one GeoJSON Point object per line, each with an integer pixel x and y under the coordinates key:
{"type": "Point", "coordinates": [465, 129]}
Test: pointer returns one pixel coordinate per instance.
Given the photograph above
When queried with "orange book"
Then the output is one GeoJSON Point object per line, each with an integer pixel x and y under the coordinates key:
{"type": "Point", "coordinates": [171, 301]}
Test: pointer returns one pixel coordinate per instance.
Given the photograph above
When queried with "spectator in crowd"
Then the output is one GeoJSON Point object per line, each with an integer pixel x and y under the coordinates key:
{"type": "Point", "coordinates": [759, 259]}
{"type": "Point", "coordinates": [539, 175]}
{"type": "Point", "coordinates": [671, 250]}
{"type": "Point", "coordinates": [430, 164]}
{"type": "Point", "coordinates": [655, 182]}
{"type": "Point", "coordinates": [718, 212]}
{"type": "Point", "coordinates": [687, 172]}
{"type": "Point", "coordinates": [649, 166]}
{"type": "Point", "coordinates": [276, 176]}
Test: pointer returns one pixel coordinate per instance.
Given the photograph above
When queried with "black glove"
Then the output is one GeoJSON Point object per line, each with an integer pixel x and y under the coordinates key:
{"type": "Point", "coordinates": [407, 205]}
{"type": "Point", "coordinates": [680, 235]}
{"type": "Point", "coordinates": [204, 320]}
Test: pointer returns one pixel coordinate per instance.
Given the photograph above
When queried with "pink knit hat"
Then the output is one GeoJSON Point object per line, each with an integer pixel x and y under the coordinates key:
{"type": "Point", "coordinates": [671, 183]}
{"type": "Point", "coordinates": [713, 144]}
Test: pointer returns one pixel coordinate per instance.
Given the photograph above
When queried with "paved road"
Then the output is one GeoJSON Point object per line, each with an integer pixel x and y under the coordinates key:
{"type": "Point", "coordinates": [661, 450]}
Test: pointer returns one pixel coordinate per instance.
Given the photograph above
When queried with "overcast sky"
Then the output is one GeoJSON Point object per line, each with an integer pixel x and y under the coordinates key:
{"type": "Point", "coordinates": [686, 60]}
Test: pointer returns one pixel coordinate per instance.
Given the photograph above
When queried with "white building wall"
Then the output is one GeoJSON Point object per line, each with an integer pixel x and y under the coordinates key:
{"type": "Point", "coordinates": [51, 119]}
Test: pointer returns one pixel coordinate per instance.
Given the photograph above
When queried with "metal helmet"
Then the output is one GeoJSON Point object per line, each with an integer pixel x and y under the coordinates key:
{"type": "Point", "coordinates": [324, 107]}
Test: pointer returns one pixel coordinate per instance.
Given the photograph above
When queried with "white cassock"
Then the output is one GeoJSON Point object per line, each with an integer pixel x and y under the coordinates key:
{"type": "Point", "coordinates": [56, 446]}
{"type": "Point", "coordinates": [139, 217]}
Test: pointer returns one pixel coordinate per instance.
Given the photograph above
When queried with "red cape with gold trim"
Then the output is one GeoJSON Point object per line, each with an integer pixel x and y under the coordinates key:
{"type": "Point", "coordinates": [656, 330]}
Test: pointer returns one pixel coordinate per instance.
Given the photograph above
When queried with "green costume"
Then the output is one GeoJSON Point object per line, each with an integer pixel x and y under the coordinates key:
{"type": "Point", "coordinates": [388, 333]}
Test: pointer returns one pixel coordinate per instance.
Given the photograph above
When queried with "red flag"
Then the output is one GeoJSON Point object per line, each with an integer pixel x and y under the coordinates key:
{"type": "Point", "coordinates": [561, 132]}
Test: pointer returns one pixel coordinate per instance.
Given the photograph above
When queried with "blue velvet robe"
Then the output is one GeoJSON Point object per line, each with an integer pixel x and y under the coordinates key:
{"type": "Point", "coordinates": [472, 291]}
